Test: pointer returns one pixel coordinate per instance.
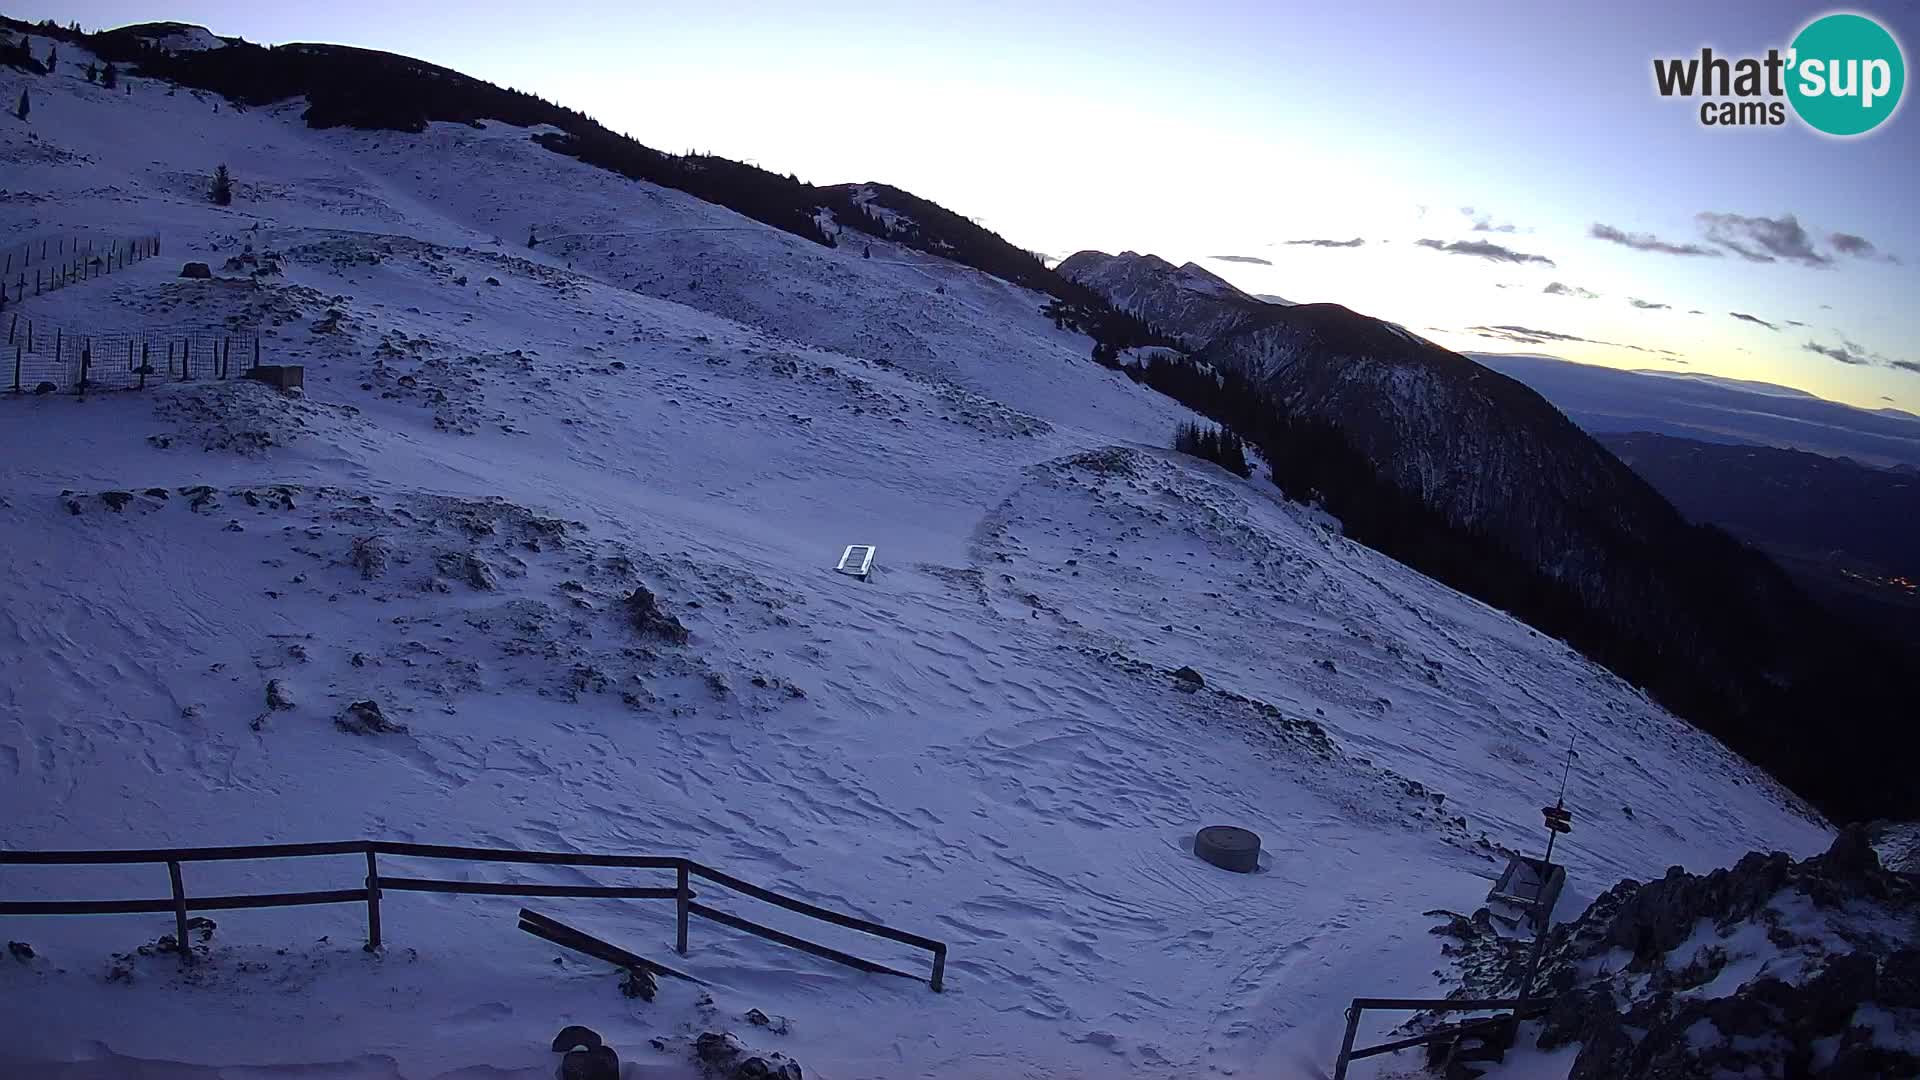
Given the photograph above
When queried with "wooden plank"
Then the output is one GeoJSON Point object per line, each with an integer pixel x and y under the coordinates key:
{"type": "Point", "coordinates": [550, 929]}
{"type": "Point", "coordinates": [160, 855]}
{"type": "Point", "coordinates": [851, 922]}
{"type": "Point", "coordinates": [511, 888]}
{"type": "Point", "coordinates": [1449, 1032]}
{"type": "Point", "coordinates": [84, 907]}
{"type": "Point", "coordinates": [802, 944]}
{"type": "Point", "coordinates": [554, 858]}
{"type": "Point", "coordinates": [291, 899]}
{"type": "Point", "coordinates": [1450, 1004]}
{"type": "Point", "coordinates": [204, 903]}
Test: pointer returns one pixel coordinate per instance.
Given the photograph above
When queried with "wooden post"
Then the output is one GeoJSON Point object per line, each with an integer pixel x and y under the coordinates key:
{"type": "Point", "coordinates": [1346, 1045]}
{"type": "Point", "coordinates": [940, 969]}
{"type": "Point", "coordinates": [144, 365]}
{"type": "Point", "coordinates": [16, 369]}
{"type": "Point", "coordinates": [256, 349]}
{"type": "Point", "coordinates": [373, 903]}
{"type": "Point", "coordinates": [169, 359]}
{"type": "Point", "coordinates": [129, 354]}
{"type": "Point", "coordinates": [682, 897]}
{"type": "Point", "coordinates": [179, 913]}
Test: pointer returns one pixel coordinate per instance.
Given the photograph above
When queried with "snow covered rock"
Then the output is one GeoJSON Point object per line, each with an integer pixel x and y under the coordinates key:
{"type": "Point", "coordinates": [725, 1057]}
{"type": "Point", "coordinates": [197, 270]}
{"type": "Point", "coordinates": [366, 718]}
{"type": "Point", "coordinates": [644, 612]}
{"type": "Point", "coordinates": [279, 694]}
{"type": "Point", "coordinates": [599, 1063]}
{"type": "Point", "coordinates": [369, 555]}
{"type": "Point", "coordinates": [576, 1037]}
{"type": "Point", "coordinates": [1773, 967]}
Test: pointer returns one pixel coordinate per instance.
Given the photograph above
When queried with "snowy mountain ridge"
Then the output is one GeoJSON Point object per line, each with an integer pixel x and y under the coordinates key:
{"type": "Point", "coordinates": [986, 742]}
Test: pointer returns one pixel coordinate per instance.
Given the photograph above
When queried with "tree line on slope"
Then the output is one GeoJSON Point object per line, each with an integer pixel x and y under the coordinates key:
{"type": "Point", "coordinates": [1825, 709]}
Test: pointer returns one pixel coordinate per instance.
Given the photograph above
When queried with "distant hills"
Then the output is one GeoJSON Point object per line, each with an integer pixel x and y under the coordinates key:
{"type": "Point", "coordinates": [1848, 532]}
{"type": "Point", "coordinates": [1714, 409]}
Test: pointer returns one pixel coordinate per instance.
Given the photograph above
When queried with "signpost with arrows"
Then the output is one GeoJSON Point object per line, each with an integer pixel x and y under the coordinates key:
{"type": "Point", "coordinates": [1559, 820]}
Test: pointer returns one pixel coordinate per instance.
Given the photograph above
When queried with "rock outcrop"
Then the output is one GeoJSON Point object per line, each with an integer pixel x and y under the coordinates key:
{"type": "Point", "coordinates": [1770, 968]}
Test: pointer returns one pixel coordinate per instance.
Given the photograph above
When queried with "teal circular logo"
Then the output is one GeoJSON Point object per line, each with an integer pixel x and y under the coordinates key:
{"type": "Point", "coordinates": [1847, 73]}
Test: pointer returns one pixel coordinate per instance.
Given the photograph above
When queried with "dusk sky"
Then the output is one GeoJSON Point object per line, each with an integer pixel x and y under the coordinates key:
{"type": "Point", "coordinates": [1241, 129]}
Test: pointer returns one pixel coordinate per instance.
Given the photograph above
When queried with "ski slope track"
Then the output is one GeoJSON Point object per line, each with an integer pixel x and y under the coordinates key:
{"type": "Point", "coordinates": [984, 743]}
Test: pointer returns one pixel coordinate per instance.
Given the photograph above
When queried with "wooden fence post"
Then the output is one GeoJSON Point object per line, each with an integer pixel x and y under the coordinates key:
{"type": "Point", "coordinates": [179, 913]}
{"type": "Point", "coordinates": [683, 896]}
{"type": "Point", "coordinates": [16, 369]}
{"type": "Point", "coordinates": [256, 349]}
{"type": "Point", "coordinates": [1346, 1045]}
{"type": "Point", "coordinates": [940, 969]}
{"type": "Point", "coordinates": [373, 903]}
{"type": "Point", "coordinates": [129, 355]}
{"type": "Point", "coordinates": [145, 366]}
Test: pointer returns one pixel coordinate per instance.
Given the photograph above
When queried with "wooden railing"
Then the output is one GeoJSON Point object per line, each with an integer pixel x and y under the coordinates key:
{"type": "Point", "coordinates": [1523, 1009]}
{"type": "Point", "coordinates": [369, 892]}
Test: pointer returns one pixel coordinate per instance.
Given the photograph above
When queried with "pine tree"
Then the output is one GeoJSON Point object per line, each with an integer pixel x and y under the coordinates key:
{"type": "Point", "coordinates": [24, 107]}
{"type": "Point", "coordinates": [110, 77]}
{"type": "Point", "coordinates": [222, 187]}
{"type": "Point", "coordinates": [53, 57]}
{"type": "Point", "coordinates": [93, 73]}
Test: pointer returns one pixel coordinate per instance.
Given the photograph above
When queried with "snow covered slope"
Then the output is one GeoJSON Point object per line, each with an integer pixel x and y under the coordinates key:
{"type": "Point", "coordinates": [984, 743]}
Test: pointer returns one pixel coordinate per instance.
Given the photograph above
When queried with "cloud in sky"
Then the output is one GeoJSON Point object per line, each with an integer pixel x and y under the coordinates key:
{"type": "Point", "coordinates": [1527, 335]}
{"type": "Point", "coordinates": [1647, 242]}
{"type": "Point", "coordinates": [1353, 243]}
{"type": "Point", "coordinates": [1859, 247]}
{"type": "Point", "coordinates": [1845, 353]}
{"type": "Point", "coordinates": [1648, 305]}
{"type": "Point", "coordinates": [1763, 239]}
{"type": "Point", "coordinates": [1755, 239]}
{"type": "Point", "coordinates": [1848, 352]}
{"type": "Point", "coordinates": [1254, 259]}
{"type": "Point", "coordinates": [1755, 319]}
{"type": "Point", "coordinates": [1557, 288]}
{"type": "Point", "coordinates": [1485, 222]}
{"type": "Point", "coordinates": [1484, 249]}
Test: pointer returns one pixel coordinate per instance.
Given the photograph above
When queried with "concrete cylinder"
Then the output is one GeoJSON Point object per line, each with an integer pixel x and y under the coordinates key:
{"type": "Point", "coordinates": [1229, 848]}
